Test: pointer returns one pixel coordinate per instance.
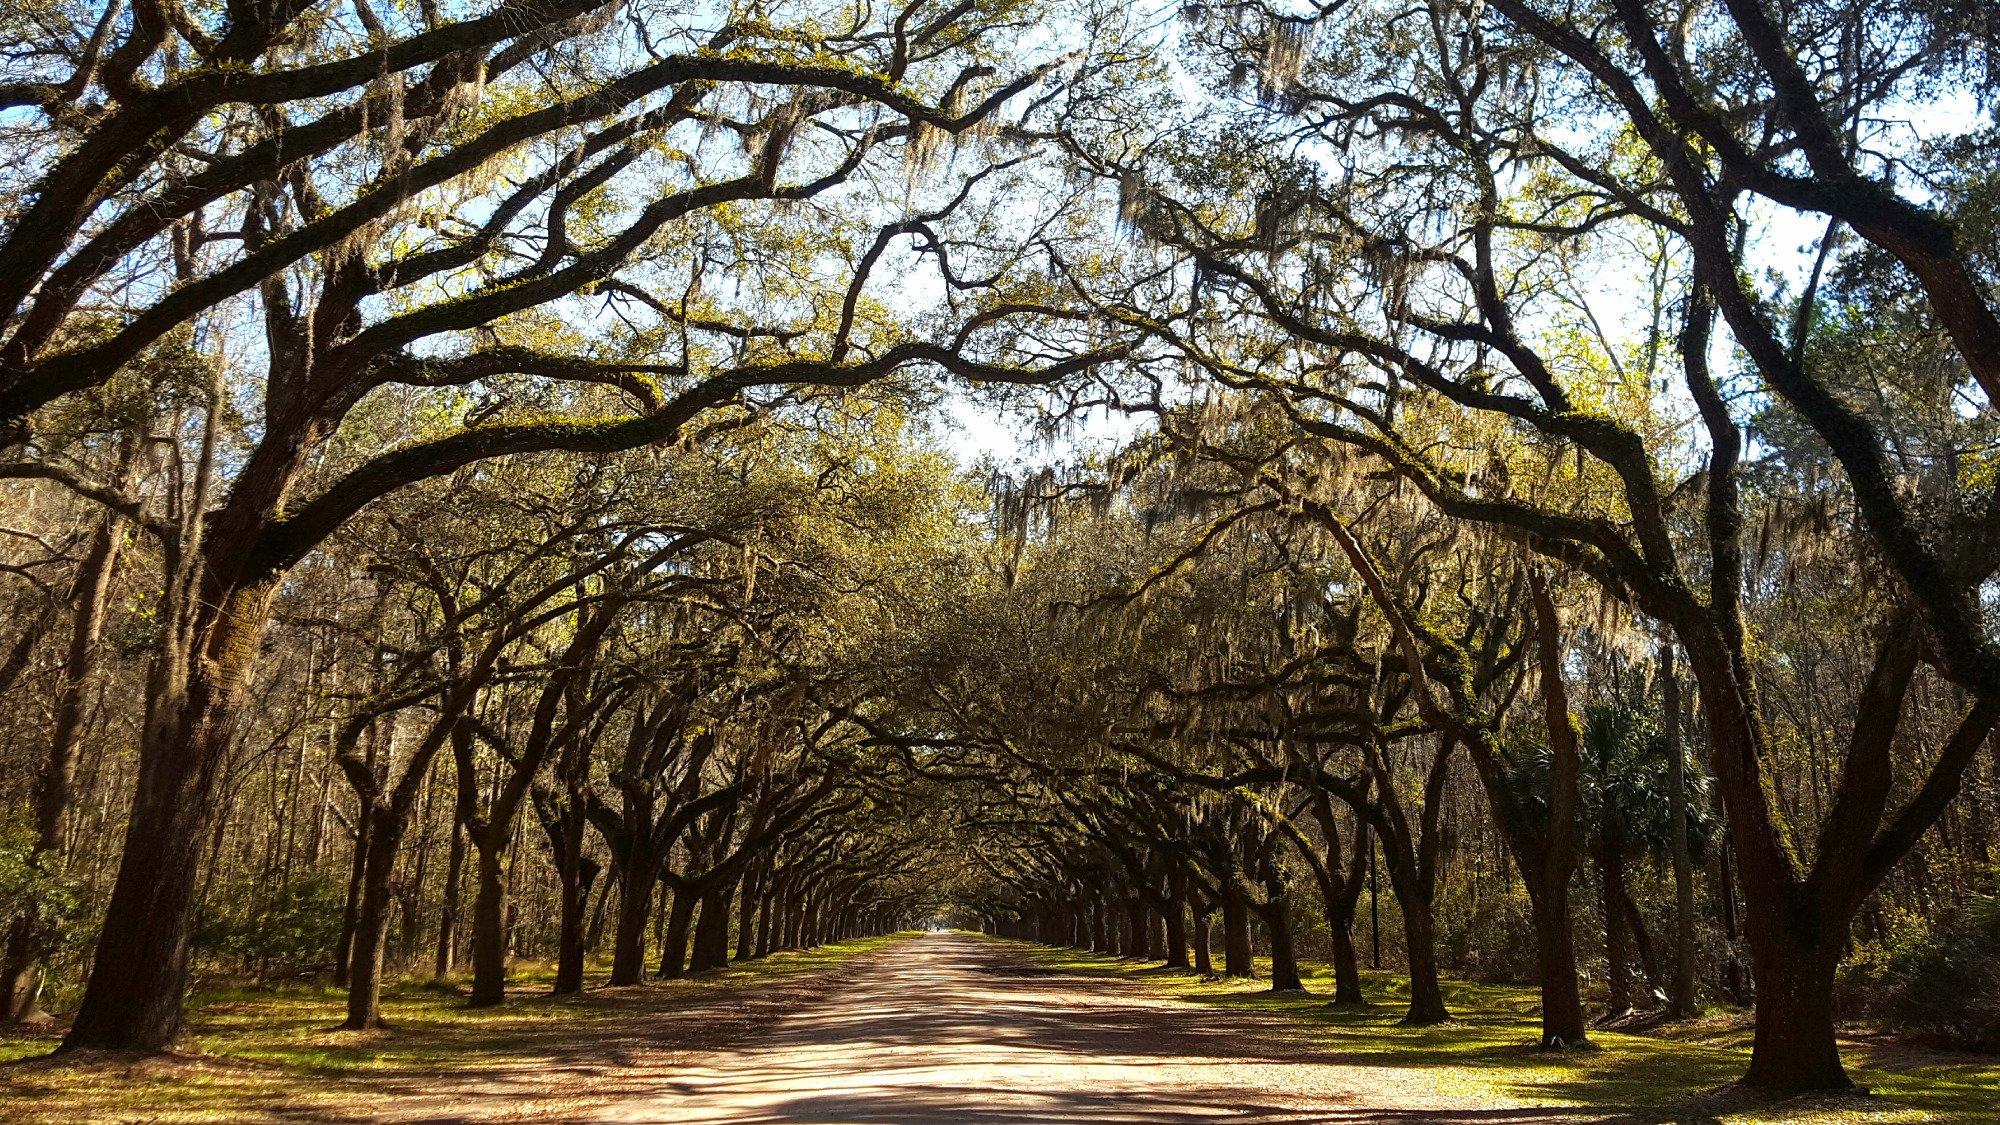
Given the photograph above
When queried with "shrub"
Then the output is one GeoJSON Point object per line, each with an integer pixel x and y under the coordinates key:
{"type": "Point", "coordinates": [1487, 938]}
{"type": "Point", "coordinates": [35, 887]}
{"type": "Point", "coordinates": [1945, 986]}
{"type": "Point", "coordinates": [287, 927]}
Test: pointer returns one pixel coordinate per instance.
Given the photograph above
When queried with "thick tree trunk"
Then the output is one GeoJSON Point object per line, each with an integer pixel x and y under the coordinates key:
{"type": "Point", "coordinates": [1794, 1048]}
{"type": "Point", "coordinates": [635, 903]}
{"type": "Point", "coordinates": [371, 927]}
{"type": "Point", "coordinates": [134, 998]}
{"type": "Point", "coordinates": [1135, 928]}
{"type": "Point", "coordinates": [1420, 947]}
{"type": "Point", "coordinates": [1340, 897]}
{"type": "Point", "coordinates": [817, 919]}
{"type": "Point", "coordinates": [1547, 856]}
{"type": "Point", "coordinates": [1563, 1023]}
{"type": "Point", "coordinates": [795, 922]}
{"type": "Point", "coordinates": [1346, 964]}
{"type": "Point", "coordinates": [20, 979]}
{"type": "Point", "coordinates": [809, 922]}
{"type": "Point", "coordinates": [1794, 943]}
{"type": "Point", "coordinates": [1682, 993]}
{"type": "Point", "coordinates": [571, 947]}
{"type": "Point", "coordinates": [711, 934]}
{"type": "Point", "coordinates": [1617, 959]}
{"type": "Point", "coordinates": [1236, 956]}
{"type": "Point", "coordinates": [674, 943]}
{"type": "Point", "coordinates": [350, 911]}
{"type": "Point", "coordinates": [489, 925]}
{"type": "Point", "coordinates": [767, 906]}
{"type": "Point", "coordinates": [593, 934]}
{"type": "Point", "coordinates": [1277, 915]}
{"type": "Point", "coordinates": [454, 891]}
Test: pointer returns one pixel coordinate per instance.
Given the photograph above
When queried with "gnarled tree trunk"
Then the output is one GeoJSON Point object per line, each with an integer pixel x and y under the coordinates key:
{"type": "Point", "coordinates": [134, 998]}
{"type": "Point", "coordinates": [1236, 956]}
{"type": "Point", "coordinates": [674, 943]}
{"type": "Point", "coordinates": [489, 923]}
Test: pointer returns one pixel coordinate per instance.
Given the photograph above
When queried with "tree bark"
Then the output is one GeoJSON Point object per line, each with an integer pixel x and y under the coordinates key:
{"type": "Point", "coordinates": [1617, 959]}
{"type": "Point", "coordinates": [571, 947]}
{"type": "Point", "coordinates": [350, 912]}
{"type": "Point", "coordinates": [1346, 965]}
{"type": "Point", "coordinates": [674, 944]}
{"type": "Point", "coordinates": [1420, 944]}
{"type": "Point", "coordinates": [711, 934]}
{"type": "Point", "coordinates": [1135, 928]}
{"type": "Point", "coordinates": [767, 901]}
{"type": "Point", "coordinates": [635, 906]}
{"type": "Point", "coordinates": [1236, 956]}
{"type": "Point", "coordinates": [454, 890]}
{"type": "Point", "coordinates": [1563, 1023]}
{"type": "Point", "coordinates": [1175, 916]}
{"type": "Point", "coordinates": [1548, 857]}
{"type": "Point", "coordinates": [1795, 1048]}
{"type": "Point", "coordinates": [1277, 915]}
{"type": "Point", "coordinates": [746, 914]}
{"type": "Point", "coordinates": [1203, 921]}
{"type": "Point", "coordinates": [1340, 895]}
{"type": "Point", "coordinates": [793, 932]}
{"type": "Point", "coordinates": [489, 925]}
{"type": "Point", "coordinates": [1682, 993]}
{"type": "Point", "coordinates": [371, 928]}
{"type": "Point", "coordinates": [135, 995]}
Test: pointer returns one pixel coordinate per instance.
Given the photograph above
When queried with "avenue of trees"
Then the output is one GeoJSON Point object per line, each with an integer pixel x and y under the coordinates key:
{"type": "Point", "coordinates": [474, 486]}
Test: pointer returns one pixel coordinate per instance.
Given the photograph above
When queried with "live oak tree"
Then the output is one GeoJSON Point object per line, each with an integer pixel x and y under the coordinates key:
{"type": "Point", "coordinates": [1425, 239]}
{"type": "Point", "coordinates": [336, 212]}
{"type": "Point", "coordinates": [490, 463]}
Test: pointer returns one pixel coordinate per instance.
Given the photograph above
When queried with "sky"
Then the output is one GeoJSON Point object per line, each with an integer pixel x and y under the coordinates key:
{"type": "Point", "coordinates": [979, 433]}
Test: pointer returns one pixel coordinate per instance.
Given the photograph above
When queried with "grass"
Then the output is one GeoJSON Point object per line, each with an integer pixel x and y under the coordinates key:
{"type": "Point", "coordinates": [257, 1054]}
{"type": "Point", "coordinates": [1488, 1055]}
{"type": "Point", "coordinates": [270, 1054]}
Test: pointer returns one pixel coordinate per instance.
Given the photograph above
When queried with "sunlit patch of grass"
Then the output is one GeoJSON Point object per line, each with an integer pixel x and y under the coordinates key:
{"type": "Point", "coordinates": [1488, 1055]}
{"type": "Point", "coordinates": [254, 1053]}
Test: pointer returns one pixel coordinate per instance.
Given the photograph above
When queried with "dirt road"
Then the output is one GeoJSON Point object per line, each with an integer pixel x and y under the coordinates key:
{"type": "Point", "coordinates": [956, 1030]}
{"type": "Point", "coordinates": [940, 1029]}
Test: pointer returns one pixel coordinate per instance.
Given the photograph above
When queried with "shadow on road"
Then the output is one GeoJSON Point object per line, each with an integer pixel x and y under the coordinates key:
{"type": "Point", "coordinates": [956, 1030]}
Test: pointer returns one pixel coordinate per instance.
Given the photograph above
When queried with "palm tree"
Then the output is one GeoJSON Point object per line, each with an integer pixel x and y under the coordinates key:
{"type": "Point", "coordinates": [1627, 799]}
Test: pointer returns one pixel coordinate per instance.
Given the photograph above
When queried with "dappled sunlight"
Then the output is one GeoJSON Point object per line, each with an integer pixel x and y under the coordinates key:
{"type": "Point", "coordinates": [959, 1029]}
{"type": "Point", "coordinates": [961, 561]}
{"type": "Point", "coordinates": [259, 1056]}
{"type": "Point", "coordinates": [1488, 1053]}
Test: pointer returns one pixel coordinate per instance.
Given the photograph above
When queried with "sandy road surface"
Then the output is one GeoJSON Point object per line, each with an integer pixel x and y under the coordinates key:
{"type": "Point", "coordinates": [956, 1030]}
{"type": "Point", "coordinates": [951, 1030]}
